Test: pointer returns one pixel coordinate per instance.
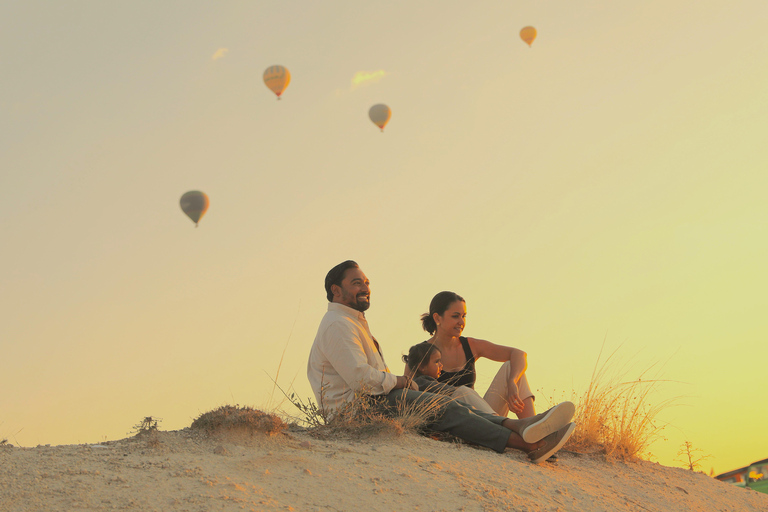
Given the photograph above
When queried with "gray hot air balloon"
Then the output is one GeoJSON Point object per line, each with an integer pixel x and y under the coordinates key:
{"type": "Point", "coordinates": [194, 203]}
{"type": "Point", "coordinates": [380, 115]}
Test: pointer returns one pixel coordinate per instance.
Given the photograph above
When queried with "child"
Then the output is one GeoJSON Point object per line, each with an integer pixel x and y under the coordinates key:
{"type": "Point", "coordinates": [424, 362]}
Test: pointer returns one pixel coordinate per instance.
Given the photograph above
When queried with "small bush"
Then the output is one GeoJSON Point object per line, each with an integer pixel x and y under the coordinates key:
{"type": "Point", "coordinates": [311, 415]}
{"type": "Point", "coordinates": [148, 424]}
{"type": "Point", "coordinates": [234, 417]}
{"type": "Point", "coordinates": [147, 430]}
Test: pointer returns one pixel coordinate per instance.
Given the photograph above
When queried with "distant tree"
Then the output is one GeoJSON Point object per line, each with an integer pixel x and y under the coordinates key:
{"type": "Point", "coordinates": [691, 457]}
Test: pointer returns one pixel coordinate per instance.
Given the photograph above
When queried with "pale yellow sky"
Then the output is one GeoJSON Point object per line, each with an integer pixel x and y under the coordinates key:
{"type": "Point", "coordinates": [607, 183]}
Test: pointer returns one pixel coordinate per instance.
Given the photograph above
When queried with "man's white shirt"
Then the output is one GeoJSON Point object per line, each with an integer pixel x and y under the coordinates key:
{"type": "Point", "coordinates": [346, 359]}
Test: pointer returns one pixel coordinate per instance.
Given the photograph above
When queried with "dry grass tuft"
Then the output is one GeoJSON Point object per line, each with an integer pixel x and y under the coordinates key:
{"type": "Point", "coordinates": [234, 417]}
{"type": "Point", "coordinates": [361, 418]}
{"type": "Point", "coordinates": [614, 416]}
{"type": "Point", "coordinates": [365, 417]}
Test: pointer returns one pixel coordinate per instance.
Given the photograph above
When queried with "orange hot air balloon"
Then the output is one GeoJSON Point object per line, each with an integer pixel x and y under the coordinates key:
{"type": "Point", "coordinates": [528, 34]}
{"type": "Point", "coordinates": [277, 79]}
{"type": "Point", "coordinates": [380, 115]}
{"type": "Point", "coordinates": [194, 204]}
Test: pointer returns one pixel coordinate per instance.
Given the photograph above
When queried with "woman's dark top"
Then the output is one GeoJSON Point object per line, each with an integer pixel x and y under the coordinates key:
{"type": "Point", "coordinates": [466, 376]}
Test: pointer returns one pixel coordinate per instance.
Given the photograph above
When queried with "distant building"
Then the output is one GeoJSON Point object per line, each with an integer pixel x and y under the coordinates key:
{"type": "Point", "coordinates": [754, 476]}
{"type": "Point", "coordinates": [737, 476]}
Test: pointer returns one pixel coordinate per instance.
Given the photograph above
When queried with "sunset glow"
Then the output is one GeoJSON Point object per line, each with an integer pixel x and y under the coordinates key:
{"type": "Point", "coordinates": [604, 187]}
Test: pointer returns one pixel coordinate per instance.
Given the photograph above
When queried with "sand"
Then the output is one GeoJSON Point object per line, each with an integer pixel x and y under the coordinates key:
{"type": "Point", "coordinates": [187, 470]}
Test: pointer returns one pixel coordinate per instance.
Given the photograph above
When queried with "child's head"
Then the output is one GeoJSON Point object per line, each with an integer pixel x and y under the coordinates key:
{"type": "Point", "coordinates": [424, 359]}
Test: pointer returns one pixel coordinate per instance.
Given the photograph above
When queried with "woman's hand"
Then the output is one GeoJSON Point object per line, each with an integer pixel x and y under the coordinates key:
{"type": "Point", "coordinates": [515, 404]}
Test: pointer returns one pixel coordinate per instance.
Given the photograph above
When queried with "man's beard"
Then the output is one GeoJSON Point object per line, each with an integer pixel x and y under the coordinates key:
{"type": "Point", "coordinates": [355, 303]}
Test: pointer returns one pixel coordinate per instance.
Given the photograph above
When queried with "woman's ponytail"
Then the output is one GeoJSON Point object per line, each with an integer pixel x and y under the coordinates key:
{"type": "Point", "coordinates": [428, 323]}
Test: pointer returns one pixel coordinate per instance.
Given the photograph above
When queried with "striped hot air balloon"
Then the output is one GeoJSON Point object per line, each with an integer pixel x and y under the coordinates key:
{"type": "Point", "coordinates": [277, 79]}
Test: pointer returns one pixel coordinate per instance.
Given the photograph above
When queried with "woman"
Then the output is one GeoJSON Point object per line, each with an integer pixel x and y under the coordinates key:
{"type": "Point", "coordinates": [509, 390]}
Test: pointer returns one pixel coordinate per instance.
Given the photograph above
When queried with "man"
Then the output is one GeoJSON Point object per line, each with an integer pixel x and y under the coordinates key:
{"type": "Point", "coordinates": [346, 359]}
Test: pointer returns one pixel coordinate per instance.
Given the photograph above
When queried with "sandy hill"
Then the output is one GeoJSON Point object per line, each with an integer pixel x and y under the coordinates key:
{"type": "Point", "coordinates": [189, 471]}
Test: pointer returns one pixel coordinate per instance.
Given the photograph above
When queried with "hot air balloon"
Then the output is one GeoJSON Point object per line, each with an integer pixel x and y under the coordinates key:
{"type": "Point", "coordinates": [277, 79]}
{"type": "Point", "coordinates": [528, 34]}
{"type": "Point", "coordinates": [194, 204]}
{"type": "Point", "coordinates": [380, 115]}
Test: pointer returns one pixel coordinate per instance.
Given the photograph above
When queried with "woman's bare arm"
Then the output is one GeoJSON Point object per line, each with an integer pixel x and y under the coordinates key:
{"type": "Point", "coordinates": [518, 361]}
{"type": "Point", "coordinates": [516, 357]}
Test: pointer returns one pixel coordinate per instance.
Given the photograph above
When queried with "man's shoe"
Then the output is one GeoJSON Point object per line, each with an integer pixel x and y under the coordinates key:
{"type": "Point", "coordinates": [552, 443]}
{"type": "Point", "coordinates": [548, 422]}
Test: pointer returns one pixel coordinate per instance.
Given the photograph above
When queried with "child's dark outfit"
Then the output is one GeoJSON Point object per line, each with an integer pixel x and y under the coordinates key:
{"type": "Point", "coordinates": [431, 385]}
